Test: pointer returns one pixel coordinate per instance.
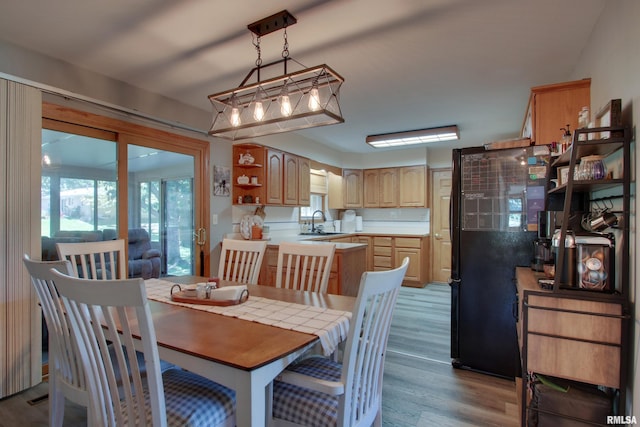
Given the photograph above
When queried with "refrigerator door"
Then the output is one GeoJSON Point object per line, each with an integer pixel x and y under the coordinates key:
{"type": "Point", "coordinates": [495, 194]}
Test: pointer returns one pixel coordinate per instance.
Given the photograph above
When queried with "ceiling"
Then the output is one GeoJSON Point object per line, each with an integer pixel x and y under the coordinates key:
{"type": "Point", "coordinates": [407, 64]}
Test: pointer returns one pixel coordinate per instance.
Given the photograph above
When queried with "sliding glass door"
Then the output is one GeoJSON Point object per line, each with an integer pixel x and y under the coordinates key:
{"type": "Point", "coordinates": [162, 202]}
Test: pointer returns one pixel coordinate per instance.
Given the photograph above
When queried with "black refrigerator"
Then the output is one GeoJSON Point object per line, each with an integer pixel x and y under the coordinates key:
{"type": "Point", "coordinates": [496, 195]}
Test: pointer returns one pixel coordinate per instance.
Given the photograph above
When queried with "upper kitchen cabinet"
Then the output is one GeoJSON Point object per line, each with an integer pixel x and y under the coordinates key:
{"type": "Point", "coordinates": [371, 188]}
{"type": "Point", "coordinates": [413, 186]}
{"type": "Point", "coordinates": [304, 181]}
{"type": "Point", "coordinates": [265, 176]}
{"type": "Point", "coordinates": [381, 188]}
{"type": "Point", "coordinates": [552, 107]}
{"type": "Point", "coordinates": [335, 191]}
{"type": "Point", "coordinates": [352, 179]}
{"type": "Point", "coordinates": [275, 178]}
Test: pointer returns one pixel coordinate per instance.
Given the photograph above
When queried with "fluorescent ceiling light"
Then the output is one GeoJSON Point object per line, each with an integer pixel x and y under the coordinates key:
{"type": "Point", "coordinates": [412, 137]}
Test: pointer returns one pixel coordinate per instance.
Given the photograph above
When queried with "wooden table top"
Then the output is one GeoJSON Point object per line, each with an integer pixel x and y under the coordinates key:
{"type": "Point", "coordinates": [239, 343]}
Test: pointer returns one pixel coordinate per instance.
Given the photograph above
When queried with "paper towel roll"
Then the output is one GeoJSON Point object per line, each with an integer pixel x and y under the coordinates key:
{"type": "Point", "coordinates": [358, 223]}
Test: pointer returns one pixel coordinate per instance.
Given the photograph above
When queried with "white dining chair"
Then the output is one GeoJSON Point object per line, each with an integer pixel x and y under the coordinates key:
{"type": "Point", "coordinates": [318, 391]}
{"type": "Point", "coordinates": [100, 260]}
{"type": "Point", "coordinates": [303, 266]}
{"type": "Point", "coordinates": [240, 260]}
{"type": "Point", "coordinates": [116, 311]}
{"type": "Point", "coordinates": [66, 376]}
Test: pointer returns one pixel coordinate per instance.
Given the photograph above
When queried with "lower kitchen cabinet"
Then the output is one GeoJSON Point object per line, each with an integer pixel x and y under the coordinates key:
{"type": "Point", "coordinates": [382, 253]}
{"type": "Point", "coordinates": [389, 251]}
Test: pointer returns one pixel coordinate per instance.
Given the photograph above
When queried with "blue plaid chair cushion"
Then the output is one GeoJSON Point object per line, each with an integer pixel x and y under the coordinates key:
{"type": "Point", "coordinates": [308, 407]}
{"type": "Point", "coordinates": [192, 400]}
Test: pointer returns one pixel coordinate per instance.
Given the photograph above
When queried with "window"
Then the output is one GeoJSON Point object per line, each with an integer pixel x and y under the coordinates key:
{"type": "Point", "coordinates": [316, 203]}
{"type": "Point", "coordinates": [79, 191]}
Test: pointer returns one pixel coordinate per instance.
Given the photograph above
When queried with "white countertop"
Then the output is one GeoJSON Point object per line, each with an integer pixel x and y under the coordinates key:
{"type": "Point", "coordinates": [276, 237]}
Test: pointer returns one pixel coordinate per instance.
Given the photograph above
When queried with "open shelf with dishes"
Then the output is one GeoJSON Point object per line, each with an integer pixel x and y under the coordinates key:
{"type": "Point", "coordinates": [249, 174]}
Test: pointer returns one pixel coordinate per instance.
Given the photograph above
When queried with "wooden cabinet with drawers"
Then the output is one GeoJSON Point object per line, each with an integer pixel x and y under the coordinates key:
{"type": "Point", "coordinates": [389, 251]}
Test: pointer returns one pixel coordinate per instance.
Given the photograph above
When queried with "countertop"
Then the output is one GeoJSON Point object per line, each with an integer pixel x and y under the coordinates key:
{"type": "Point", "coordinates": [276, 238]}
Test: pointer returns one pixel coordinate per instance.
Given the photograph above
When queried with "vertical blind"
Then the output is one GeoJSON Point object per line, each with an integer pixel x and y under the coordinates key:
{"type": "Point", "coordinates": [20, 322]}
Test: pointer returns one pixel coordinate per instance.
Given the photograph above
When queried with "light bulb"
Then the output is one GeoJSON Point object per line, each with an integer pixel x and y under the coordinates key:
{"type": "Point", "coordinates": [285, 105]}
{"type": "Point", "coordinates": [314, 99]}
{"type": "Point", "coordinates": [258, 111]}
{"type": "Point", "coordinates": [235, 117]}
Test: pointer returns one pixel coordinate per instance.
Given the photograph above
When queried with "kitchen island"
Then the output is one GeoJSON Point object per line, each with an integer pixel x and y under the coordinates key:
{"type": "Point", "coordinates": [349, 262]}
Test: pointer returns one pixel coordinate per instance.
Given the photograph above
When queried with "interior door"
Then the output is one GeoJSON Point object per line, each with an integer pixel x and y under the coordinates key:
{"type": "Point", "coordinates": [440, 236]}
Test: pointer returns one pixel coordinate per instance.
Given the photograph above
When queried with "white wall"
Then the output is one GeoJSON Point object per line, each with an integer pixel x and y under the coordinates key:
{"type": "Point", "coordinates": [612, 60]}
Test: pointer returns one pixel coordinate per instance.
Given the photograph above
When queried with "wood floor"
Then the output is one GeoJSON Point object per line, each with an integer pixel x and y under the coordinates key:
{"type": "Point", "coordinates": [421, 389]}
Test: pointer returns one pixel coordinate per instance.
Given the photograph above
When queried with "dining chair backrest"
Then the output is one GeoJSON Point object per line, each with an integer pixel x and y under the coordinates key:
{"type": "Point", "coordinates": [100, 260]}
{"type": "Point", "coordinates": [108, 318]}
{"type": "Point", "coordinates": [318, 390]}
{"type": "Point", "coordinates": [240, 260]}
{"type": "Point", "coordinates": [97, 309]}
{"type": "Point", "coordinates": [304, 266]}
{"type": "Point", "coordinates": [66, 377]}
{"type": "Point", "coordinates": [365, 349]}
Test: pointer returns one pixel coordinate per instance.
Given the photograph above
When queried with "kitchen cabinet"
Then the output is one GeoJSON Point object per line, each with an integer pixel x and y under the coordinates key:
{"type": "Point", "coordinates": [382, 253]}
{"type": "Point", "coordinates": [335, 191]}
{"type": "Point", "coordinates": [395, 187]}
{"type": "Point", "coordinates": [389, 251]}
{"type": "Point", "coordinates": [275, 178]}
{"type": "Point", "coordinates": [413, 186]}
{"type": "Point", "coordinates": [568, 332]}
{"type": "Point", "coordinates": [416, 248]}
{"type": "Point", "coordinates": [388, 182]}
{"type": "Point", "coordinates": [290, 179]}
{"type": "Point", "coordinates": [304, 181]}
{"type": "Point", "coordinates": [371, 188]}
{"type": "Point", "coordinates": [282, 178]}
{"type": "Point", "coordinates": [297, 180]}
{"type": "Point", "coordinates": [552, 107]}
{"type": "Point", "coordinates": [352, 179]}
{"type": "Point", "coordinates": [369, 252]}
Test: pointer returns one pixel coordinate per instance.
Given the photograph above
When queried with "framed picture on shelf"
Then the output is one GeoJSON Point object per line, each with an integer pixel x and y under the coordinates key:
{"type": "Point", "coordinates": [609, 115]}
{"type": "Point", "coordinates": [563, 175]}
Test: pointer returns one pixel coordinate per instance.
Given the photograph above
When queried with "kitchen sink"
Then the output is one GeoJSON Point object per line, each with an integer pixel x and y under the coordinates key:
{"type": "Point", "coordinates": [320, 233]}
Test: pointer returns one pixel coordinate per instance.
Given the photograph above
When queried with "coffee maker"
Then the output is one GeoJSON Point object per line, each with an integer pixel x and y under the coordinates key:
{"type": "Point", "coordinates": [542, 252]}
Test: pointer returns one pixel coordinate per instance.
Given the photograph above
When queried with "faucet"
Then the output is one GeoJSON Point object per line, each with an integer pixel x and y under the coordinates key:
{"type": "Point", "coordinates": [313, 225]}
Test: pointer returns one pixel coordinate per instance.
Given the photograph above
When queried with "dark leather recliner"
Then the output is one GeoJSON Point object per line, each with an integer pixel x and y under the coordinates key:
{"type": "Point", "coordinates": [144, 261]}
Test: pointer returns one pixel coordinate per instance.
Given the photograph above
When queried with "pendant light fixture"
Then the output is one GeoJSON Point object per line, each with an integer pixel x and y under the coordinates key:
{"type": "Point", "coordinates": [291, 101]}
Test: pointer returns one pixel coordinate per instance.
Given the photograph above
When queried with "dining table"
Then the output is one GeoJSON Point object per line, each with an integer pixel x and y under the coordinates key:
{"type": "Point", "coordinates": [244, 355]}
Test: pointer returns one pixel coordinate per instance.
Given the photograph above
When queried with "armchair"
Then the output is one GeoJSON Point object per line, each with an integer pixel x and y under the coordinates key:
{"type": "Point", "coordinates": [144, 261]}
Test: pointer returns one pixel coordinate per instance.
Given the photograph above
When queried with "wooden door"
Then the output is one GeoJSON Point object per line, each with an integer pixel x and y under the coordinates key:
{"type": "Point", "coordinates": [389, 188]}
{"type": "Point", "coordinates": [352, 188]}
{"type": "Point", "coordinates": [275, 180]}
{"type": "Point", "coordinates": [413, 184]}
{"type": "Point", "coordinates": [304, 181]}
{"type": "Point", "coordinates": [290, 179]}
{"type": "Point", "coordinates": [440, 228]}
{"type": "Point", "coordinates": [371, 188]}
